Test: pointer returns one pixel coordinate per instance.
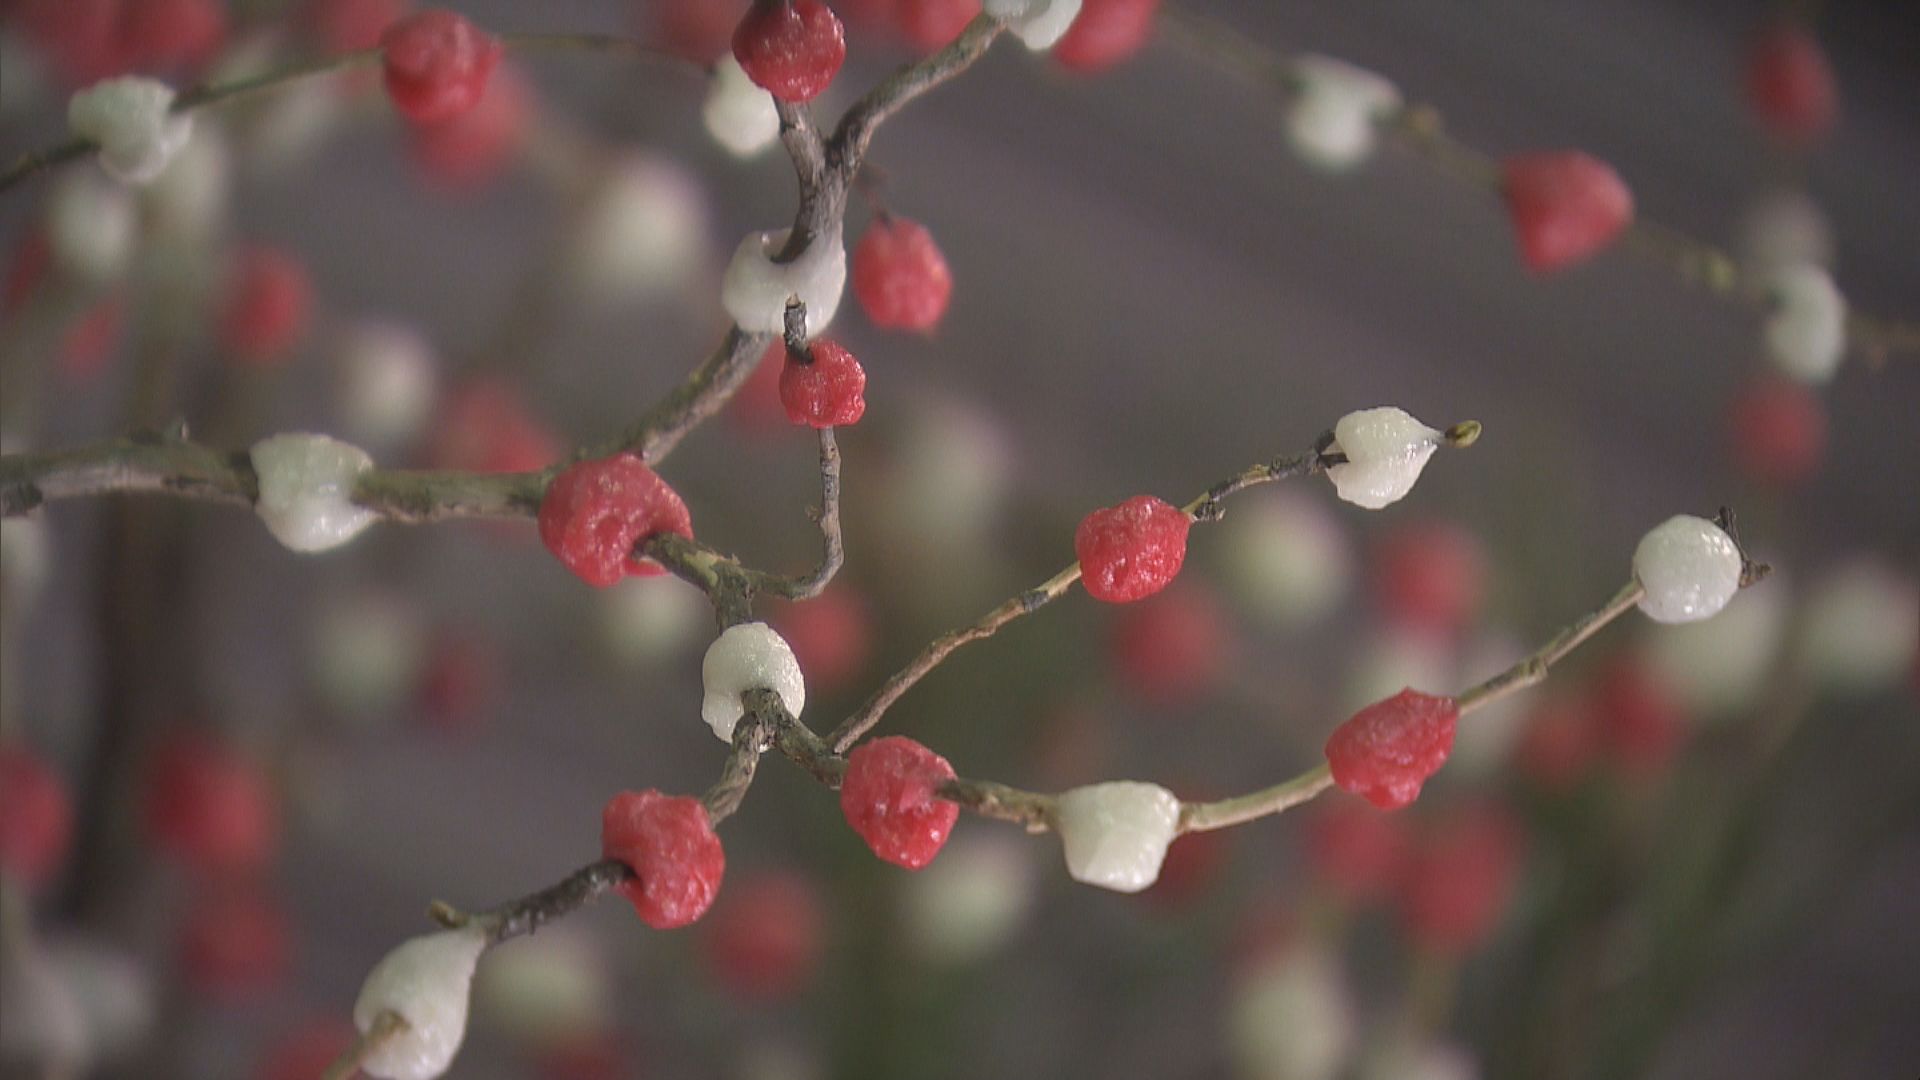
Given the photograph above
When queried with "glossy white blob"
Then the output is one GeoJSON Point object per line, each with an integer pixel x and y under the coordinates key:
{"type": "Point", "coordinates": [739, 115]}
{"type": "Point", "coordinates": [387, 382]}
{"type": "Point", "coordinates": [1333, 120]}
{"type": "Point", "coordinates": [1116, 834]}
{"type": "Point", "coordinates": [1386, 449]}
{"type": "Point", "coordinates": [131, 118]}
{"type": "Point", "coordinates": [1689, 567]}
{"type": "Point", "coordinates": [755, 289]}
{"type": "Point", "coordinates": [425, 982]}
{"type": "Point", "coordinates": [91, 226]}
{"type": "Point", "coordinates": [548, 987]}
{"type": "Point", "coordinates": [1785, 228]}
{"type": "Point", "coordinates": [1039, 24]}
{"type": "Point", "coordinates": [644, 231]}
{"type": "Point", "coordinates": [1862, 626]}
{"type": "Point", "coordinates": [1292, 1018]}
{"type": "Point", "coordinates": [1806, 332]}
{"type": "Point", "coordinates": [750, 656]}
{"type": "Point", "coordinates": [1286, 556]}
{"type": "Point", "coordinates": [972, 899]}
{"type": "Point", "coordinates": [648, 620]}
{"type": "Point", "coordinates": [1719, 666]}
{"type": "Point", "coordinates": [306, 490]}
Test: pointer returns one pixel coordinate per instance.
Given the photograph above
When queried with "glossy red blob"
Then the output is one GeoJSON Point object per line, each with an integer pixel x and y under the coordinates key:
{"type": "Point", "coordinates": [210, 807]}
{"type": "Point", "coordinates": [888, 797]}
{"type": "Point", "coordinates": [1356, 851]}
{"type": "Point", "coordinates": [1172, 646]}
{"type": "Point", "coordinates": [487, 428]}
{"type": "Point", "coordinates": [929, 25]}
{"type": "Point", "coordinates": [595, 512]}
{"type": "Point", "coordinates": [1105, 33]}
{"type": "Point", "coordinates": [436, 65]}
{"type": "Point", "coordinates": [669, 844]}
{"type": "Point", "coordinates": [1779, 431]}
{"type": "Point", "coordinates": [473, 149]}
{"type": "Point", "coordinates": [764, 940]}
{"type": "Point", "coordinates": [828, 390]}
{"type": "Point", "coordinates": [268, 304]}
{"type": "Point", "coordinates": [1461, 879]}
{"type": "Point", "coordinates": [1790, 85]}
{"type": "Point", "coordinates": [1641, 723]}
{"type": "Point", "coordinates": [1131, 551]}
{"type": "Point", "coordinates": [237, 942]}
{"type": "Point", "coordinates": [700, 30]}
{"type": "Point", "coordinates": [350, 25]}
{"type": "Point", "coordinates": [36, 818]}
{"type": "Point", "coordinates": [790, 48]}
{"type": "Point", "coordinates": [1386, 751]}
{"type": "Point", "coordinates": [305, 1052]}
{"type": "Point", "coordinates": [831, 635]}
{"type": "Point", "coordinates": [1566, 207]}
{"type": "Point", "coordinates": [1430, 577]}
{"type": "Point", "coordinates": [900, 277]}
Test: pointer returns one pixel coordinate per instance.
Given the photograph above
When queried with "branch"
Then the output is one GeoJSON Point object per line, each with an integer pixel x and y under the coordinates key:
{"type": "Point", "coordinates": [832, 547]}
{"type": "Point", "coordinates": [848, 147]}
{"type": "Point", "coordinates": [517, 918]}
{"type": "Point", "coordinates": [385, 1026]}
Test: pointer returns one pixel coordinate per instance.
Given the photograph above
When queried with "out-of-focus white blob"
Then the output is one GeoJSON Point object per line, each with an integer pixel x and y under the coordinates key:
{"type": "Point", "coordinates": [1862, 625]}
{"type": "Point", "coordinates": [1333, 120]}
{"type": "Point", "coordinates": [1785, 228]}
{"type": "Point", "coordinates": [750, 656]}
{"type": "Point", "coordinates": [386, 381]}
{"type": "Point", "coordinates": [547, 987]}
{"type": "Point", "coordinates": [940, 499]}
{"type": "Point", "coordinates": [1484, 741]}
{"type": "Point", "coordinates": [1720, 665]}
{"type": "Point", "coordinates": [1393, 659]}
{"type": "Point", "coordinates": [132, 120]}
{"type": "Point", "coordinates": [190, 197]}
{"type": "Point", "coordinates": [113, 991]}
{"type": "Point", "coordinates": [1292, 1018]}
{"type": "Point", "coordinates": [649, 620]}
{"type": "Point", "coordinates": [967, 903]}
{"type": "Point", "coordinates": [643, 233]}
{"type": "Point", "coordinates": [306, 490]}
{"type": "Point", "coordinates": [426, 982]}
{"type": "Point", "coordinates": [1806, 331]}
{"type": "Point", "coordinates": [776, 1059]}
{"type": "Point", "coordinates": [1039, 24]}
{"type": "Point", "coordinates": [41, 1022]}
{"type": "Point", "coordinates": [1116, 834]}
{"type": "Point", "coordinates": [1385, 449]}
{"type": "Point", "coordinates": [755, 289]}
{"type": "Point", "coordinates": [1286, 556]}
{"type": "Point", "coordinates": [739, 115]}
{"type": "Point", "coordinates": [90, 228]}
{"type": "Point", "coordinates": [367, 649]}
{"type": "Point", "coordinates": [25, 562]}
{"type": "Point", "coordinates": [1689, 568]}
{"type": "Point", "coordinates": [1406, 1058]}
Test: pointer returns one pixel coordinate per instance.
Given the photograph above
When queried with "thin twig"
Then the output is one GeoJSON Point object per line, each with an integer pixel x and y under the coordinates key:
{"type": "Point", "coordinates": [386, 1026]}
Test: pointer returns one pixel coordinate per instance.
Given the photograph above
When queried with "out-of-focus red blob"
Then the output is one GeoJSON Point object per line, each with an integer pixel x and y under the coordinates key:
{"type": "Point", "coordinates": [765, 937]}
{"type": "Point", "coordinates": [460, 683]}
{"type": "Point", "coordinates": [269, 301]}
{"type": "Point", "coordinates": [305, 1052]}
{"type": "Point", "coordinates": [928, 25]}
{"type": "Point", "coordinates": [1641, 722]}
{"type": "Point", "coordinates": [349, 25]}
{"type": "Point", "coordinates": [36, 817]}
{"type": "Point", "coordinates": [1779, 431]}
{"type": "Point", "coordinates": [211, 807]}
{"type": "Point", "coordinates": [1172, 646]}
{"type": "Point", "coordinates": [1561, 742]}
{"type": "Point", "coordinates": [486, 427]}
{"type": "Point", "coordinates": [831, 635]}
{"type": "Point", "coordinates": [173, 35]}
{"type": "Point", "coordinates": [1355, 850]}
{"type": "Point", "coordinates": [1461, 878]}
{"type": "Point", "coordinates": [237, 942]}
{"type": "Point", "coordinates": [473, 149]}
{"type": "Point", "coordinates": [1105, 33]}
{"type": "Point", "coordinates": [1430, 576]}
{"type": "Point", "coordinates": [1790, 84]}
{"type": "Point", "coordinates": [85, 346]}
{"type": "Point", "coordinates": [1191, 869]}
{"type": "Point", "coordinates": [700, 30]}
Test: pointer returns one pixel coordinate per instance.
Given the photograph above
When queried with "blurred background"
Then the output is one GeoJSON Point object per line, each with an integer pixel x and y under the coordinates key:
{"type": "Point", "coordinates": [1694, 853]}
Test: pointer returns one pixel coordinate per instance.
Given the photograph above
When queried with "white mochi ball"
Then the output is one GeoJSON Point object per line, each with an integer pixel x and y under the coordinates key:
{"type": "Point", "coordinates": [1806, 332]}
{"type": "Point", "coordinates": [132, 120]}
{"type": "Point", "coordinates": [1385, 449]}
{"type": "Point", "coordinates": [91, 224]}
{"type": "Point", "coordinates": [1039, 24]}
{"type": "Point", "coordinates": [425, 982]}
{"type": "Point", "coordinates": [755, 289]}
{"type": "Point", "coordinates": [387, 382]}
{"type": "Point", "coordinates": [739, 115]}
{"type": "Point", "coordinates": [643, 233]}
{"type": "Point", "coordinates": [1862, 626]}
{"type": "Point", "coordinates": [1334, 118]}
{"type": "Point", "coordinates": [306, 490]}
{"type": "Point", "coordinates": [750, 656]}
{"type": "Point", "coordinates": [1116, 834]}
{"type": "Point", "coordinates": [1689, 568]}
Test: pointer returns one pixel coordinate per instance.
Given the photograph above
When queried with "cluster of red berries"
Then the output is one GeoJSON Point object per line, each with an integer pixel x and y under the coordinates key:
{"type": "Point", "coordinates": [596, 512]}
{"type": "Point", "coordinates": [1386, 751]}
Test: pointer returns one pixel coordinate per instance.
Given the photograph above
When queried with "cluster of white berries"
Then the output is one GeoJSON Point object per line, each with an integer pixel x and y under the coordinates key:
{"type": "Point", "coordinates": [1385, 450]}
{"type": "Point", "coordinates": [306, 490]}
{"type": "Point", "coordinates": [739, 115]}
{"type": "Point", "coordinates": [425, 982]}
{"type": "Point", "coordinates": [133, 121]}
{"type": "Point", "coordinates": [1116, 834]}
{"type": "Point", "coordinates": [1689, 568]}
{"type": "Point", "coordinates": [1806, 331]}
{"type": "Point", "coordinates": [750, 656]}
{"type": "Point", "coordinates": [1039, 24]}
{"type": "Point", "coordinates": [1336, 111]}
{"type": "Point", "coordinates": [756, 289]}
